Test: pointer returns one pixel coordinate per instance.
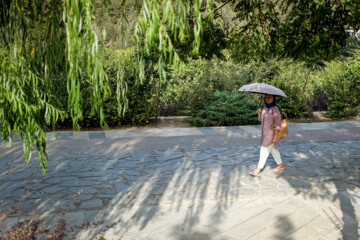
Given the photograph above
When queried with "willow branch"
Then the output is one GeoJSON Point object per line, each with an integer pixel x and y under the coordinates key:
{"type": "Point", "coordinates": [222, 6]}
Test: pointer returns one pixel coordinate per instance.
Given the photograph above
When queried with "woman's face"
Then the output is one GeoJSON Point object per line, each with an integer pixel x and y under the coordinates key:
{"type": "Point", "coordinates": [269, 98]}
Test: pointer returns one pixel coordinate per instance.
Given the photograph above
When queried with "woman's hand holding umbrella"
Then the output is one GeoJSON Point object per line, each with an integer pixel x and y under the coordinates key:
{"type": "Point", "coordinates": [259, 112]}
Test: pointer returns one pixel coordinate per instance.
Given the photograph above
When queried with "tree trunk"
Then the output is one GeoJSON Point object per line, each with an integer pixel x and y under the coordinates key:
{"type": "Point", "coordinates": [307, 108]}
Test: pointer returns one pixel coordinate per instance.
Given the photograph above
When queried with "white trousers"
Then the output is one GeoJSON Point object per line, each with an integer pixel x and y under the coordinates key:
{"type": "Point", "coordinates": [264, 154]}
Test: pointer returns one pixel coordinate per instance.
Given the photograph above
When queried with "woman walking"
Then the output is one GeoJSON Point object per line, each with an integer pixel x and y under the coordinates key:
{"type": "Point", "coordinates": [269, 115]}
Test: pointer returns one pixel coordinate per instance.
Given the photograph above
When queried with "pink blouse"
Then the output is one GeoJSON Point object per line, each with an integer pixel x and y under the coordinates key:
{"type": "Point", "coordinates": [269, 116]}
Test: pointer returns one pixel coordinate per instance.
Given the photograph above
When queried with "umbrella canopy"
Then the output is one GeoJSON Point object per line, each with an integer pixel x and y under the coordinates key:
{"type": "Point", "coordinates": [262, 88]}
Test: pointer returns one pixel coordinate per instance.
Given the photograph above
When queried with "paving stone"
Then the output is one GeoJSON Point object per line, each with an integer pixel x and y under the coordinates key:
{"type": "Point", "coordinates": [114, 172]}
{"type": "Point", "coordinates": [16, 194]}
{"type": "Point", "coordinates": [223, 158]}
{"type": "Point", "coordinates": [58, 180]}
{"type": "Point", "coordinates": [81, 135]}
{"type": "Point", "coordinates": [106, 197]}
{"type": "Point", "coordinates": [18, 175]}
{"type": "Point", "coordinates": [300, 183]}
{"type": "Point", "coordinates": [121, 187]}
{"type": "Point", "coordinates": [95, 203]}
{"type": "Point", "coordinates": [78, 183]}
{"type": "Point", "coordinates": [120, 156]}
{"type": "Point", "coordinates": [64, 135]}
{"type": "Point", "coordinates": [168, 158]}
{"type": "Point", "coordinates": [127, 165]}
{"type": "Point", "coordinates": [130, 179]}
{"type": "Point", "coordinates": [97, 135]}
{"type": "Point", "coordinates": [313, 171]}
{"type": "Point", "coordinates": [84, 197]}
{"type": "Point", "coordinates": [52, 189]}
{"type": "Point", "coordinates": [159, 191]}
{"type": "Point", "coordinates": [268, 183]}
{"type": "Point", "coordinates": [84, 190]}
{"type": "Point", "coordinates": [133, 172]}
{"type": "Point", "coordinates": [201, 157]}
{"type": "Point", "coordinates": [165, 167]}
{"type": "Point", "coordinates": [209, 165]}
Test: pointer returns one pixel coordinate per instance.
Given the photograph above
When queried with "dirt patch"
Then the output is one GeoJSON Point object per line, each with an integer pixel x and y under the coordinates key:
{"type": "Point", "coordinates": [179, 121]}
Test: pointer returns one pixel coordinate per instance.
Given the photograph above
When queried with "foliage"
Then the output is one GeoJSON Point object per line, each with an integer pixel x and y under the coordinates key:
{"type": "Point", "coordinates": [139, 98]}
{"type": "Point", "coordinates": [28, 64]}
{"type": "Point", "coordinates": [166, 29]}
{"type": "Point", "coordinates": [77, 55]}
{"type": "Point", "coordinates": [305, 30]}
{"type": "Point", "coordinates": [342, 87]}
{"type": "Point", "coordinates": [115, 23]}
{"type": "Point", "coordinates": [139, 105]}
{"type": "Point", "coordinates": [309, 31]}
{"type": "Point", "coordinates": [25, 109]}
{"type": "Point", "coordinates": [226, 109]}
{"type": "Point", "coordinates": [194, 83]}
{"type": "Point", "coordinates": [290, 78]}
{"type": "Point", "coordinates": [162, 24]}
{"type": "Point", "coordinates": [44, 57]}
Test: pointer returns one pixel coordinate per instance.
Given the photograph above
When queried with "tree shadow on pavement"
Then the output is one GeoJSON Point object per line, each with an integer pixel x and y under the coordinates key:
{"type": "Point", "coordinates": [188, 189]}
{"type": "Point", "coordinates": [192, 187]}
{"type": "Point", "coordinates": [328, 171]}
{"type": "Point", "coordinates": [283, 225]}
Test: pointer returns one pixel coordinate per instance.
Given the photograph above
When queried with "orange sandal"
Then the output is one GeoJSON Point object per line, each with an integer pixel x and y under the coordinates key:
{"type": "Point", "coordinates": [255, 174]}
{"type": "Point", "coordinates": [279, 168]}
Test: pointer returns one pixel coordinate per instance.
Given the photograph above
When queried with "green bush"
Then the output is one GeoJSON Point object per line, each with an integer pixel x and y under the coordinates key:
{"type": "Point", "coordinates": [194, 83]}
{"type": "Point", "coordinates": [342, 87]}
{"type": "Point", "coordinates": [291, 78]}
{"type": "Point", "coordinates": [190, 87]}
{"type": "Point", "coordinates": [141, 106]}
{"type": "Point", "coordinates": [226, 109]}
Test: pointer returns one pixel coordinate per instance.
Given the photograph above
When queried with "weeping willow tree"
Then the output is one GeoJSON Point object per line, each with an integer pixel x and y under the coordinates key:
{"type": "Point", "coordinates": [40, 38]}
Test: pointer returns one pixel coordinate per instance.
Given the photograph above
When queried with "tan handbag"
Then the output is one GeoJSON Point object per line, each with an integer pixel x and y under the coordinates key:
{"type": "Point", "coordinates": [283, 129]}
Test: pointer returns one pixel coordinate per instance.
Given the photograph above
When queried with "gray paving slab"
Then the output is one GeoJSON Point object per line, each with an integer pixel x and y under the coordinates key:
{"type": "Point", "coordinates": [97, 135]}
{"type": "Point", "coordinates": [64, 135]}
{"type": "Point", "coordinates": [167, 183]}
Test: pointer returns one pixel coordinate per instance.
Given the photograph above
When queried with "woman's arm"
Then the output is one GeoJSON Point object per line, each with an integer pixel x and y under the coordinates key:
{"type": "Point", "coordinates": [277, 118]}
{"type": "Point", "coordinates": [277, 124]}
{"type": "Point", "coordinates": [259, 114]}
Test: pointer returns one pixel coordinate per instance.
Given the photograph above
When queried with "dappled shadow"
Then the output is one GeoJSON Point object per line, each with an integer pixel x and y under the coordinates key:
{"type": "Point", "coordinates": [327, 170]}
{"type": "Point", "coordinates": [190, 185]}
{"type": "Point", "coordinates": [169, 181]}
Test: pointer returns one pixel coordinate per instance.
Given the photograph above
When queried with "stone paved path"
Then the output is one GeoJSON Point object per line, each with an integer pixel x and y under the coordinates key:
{"type": "Point", "coordinates": [193, 183]}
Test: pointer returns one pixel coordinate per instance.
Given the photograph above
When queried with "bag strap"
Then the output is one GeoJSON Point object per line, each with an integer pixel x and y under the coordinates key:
{"type": "Point", "coordinates": [280, 112]}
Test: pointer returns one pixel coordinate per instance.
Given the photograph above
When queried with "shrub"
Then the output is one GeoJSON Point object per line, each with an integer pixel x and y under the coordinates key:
{"type": "Point", "coordinates": [139, 94]}
{"type": "Point", "coordinates": [140, 108]}
{"type": "Point", "coordinates": [226, 109]}
{"type": "Point", "coordinates": [342, 87]}
{"type": "Point", "coordinates": [192, 84]}
{"type": "Point", "coordinates": [291, 78]}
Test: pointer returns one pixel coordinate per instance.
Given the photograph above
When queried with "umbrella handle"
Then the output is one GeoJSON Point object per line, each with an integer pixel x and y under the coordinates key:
{"type": "Point", "coordinates": [261, 101]}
